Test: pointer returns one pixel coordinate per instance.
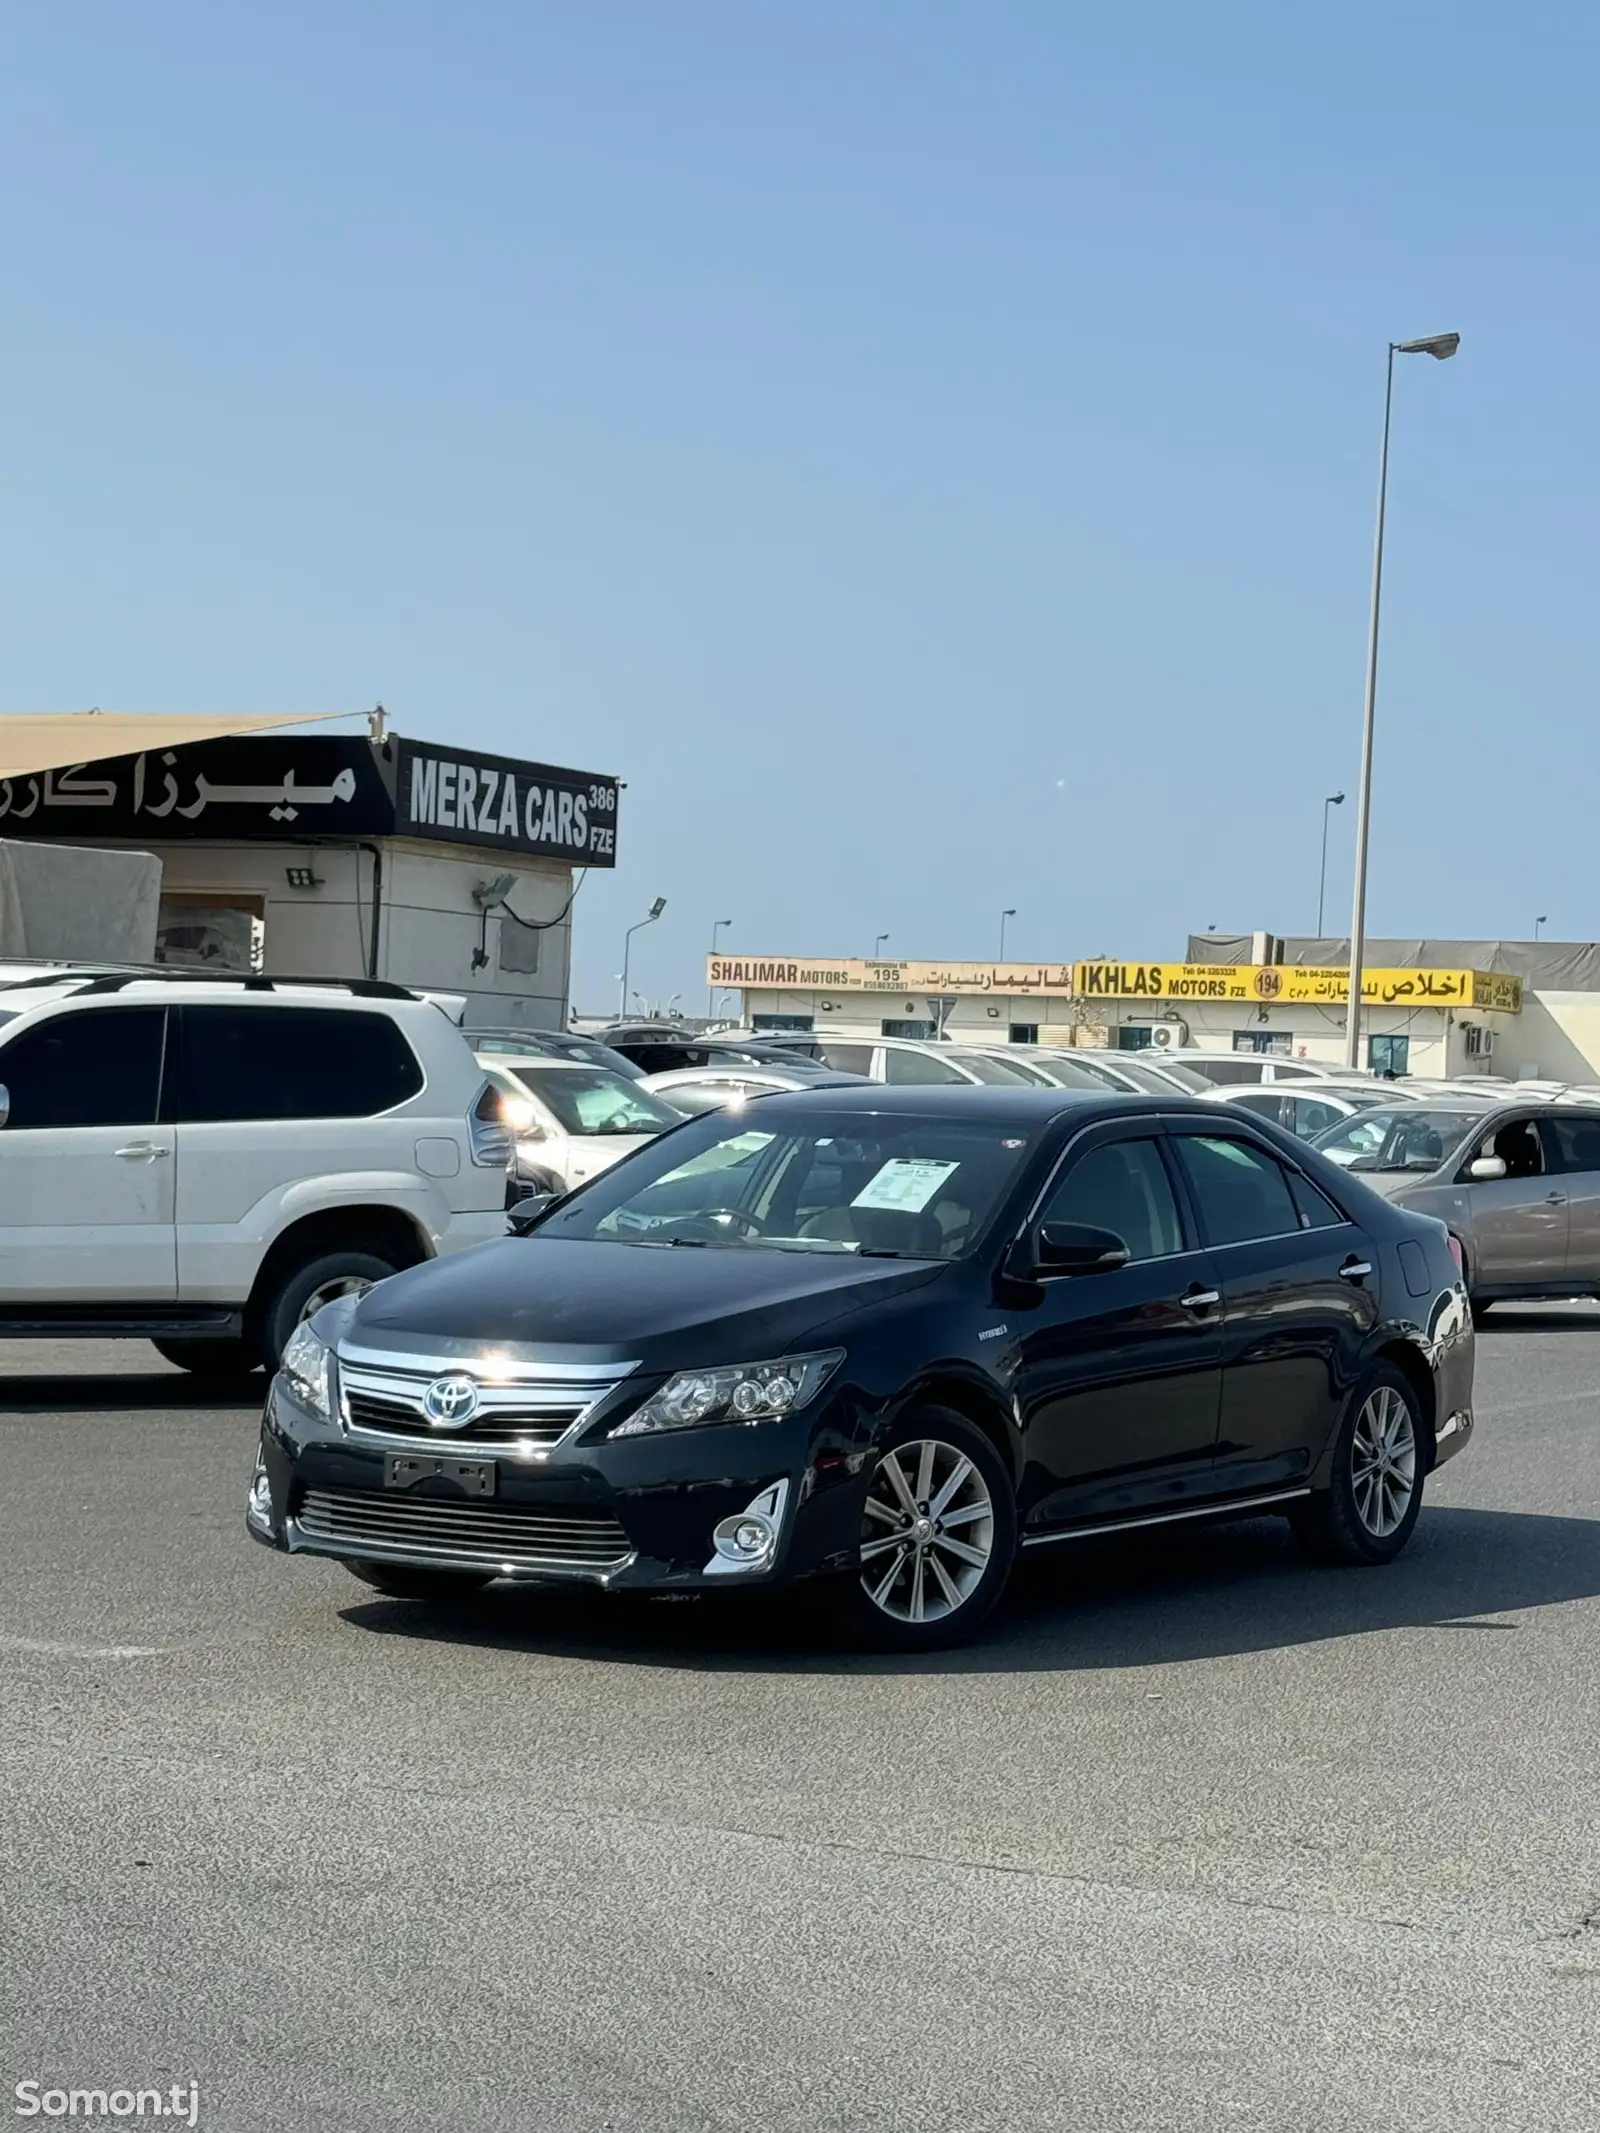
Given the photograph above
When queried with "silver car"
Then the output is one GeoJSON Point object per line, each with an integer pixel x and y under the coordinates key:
{"type": "Point", "coordinates": [1517, 1185]}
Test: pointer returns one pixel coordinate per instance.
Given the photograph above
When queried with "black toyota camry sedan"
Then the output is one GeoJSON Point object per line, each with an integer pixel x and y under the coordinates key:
{"type": "Point", "coordinates": [879, 1339]}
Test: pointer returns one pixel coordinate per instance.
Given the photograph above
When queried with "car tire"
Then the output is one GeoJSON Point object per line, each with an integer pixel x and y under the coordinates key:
{"type": "Point", "coordinates": [304, 1289]}
{"type": "Point", "coordinates": [1367, 1512]}
{"type": "Point", "coordinates": [215, 1361]}
{"type": "Point", "coordinates": [400, 1581]}
{"type": "Point", "coordinates": [923, 1593]}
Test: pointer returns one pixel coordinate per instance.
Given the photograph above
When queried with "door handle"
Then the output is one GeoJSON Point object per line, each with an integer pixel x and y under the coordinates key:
{"type": "Point", "coordinates": [1198, 1299]}
{"type": "Point", "coordinates": [1556, 1199]}
{"type": "Point", "coordinates": [142, 1152]}
{"type": "Point", "coordinates": [1355, 1269]}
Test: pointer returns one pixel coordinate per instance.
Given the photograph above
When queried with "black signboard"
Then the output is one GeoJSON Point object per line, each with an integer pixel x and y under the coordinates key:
{"type": "Point", "coordinates": [492, 801]}
{"type": "Point", "coordinates": [322, 785]}
{"type": "Point", "coordinates": [298, 790]}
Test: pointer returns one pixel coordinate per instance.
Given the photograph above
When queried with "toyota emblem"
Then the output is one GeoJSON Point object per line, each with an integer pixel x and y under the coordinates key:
{"type": "Point", "coordinates": [450, 1403]}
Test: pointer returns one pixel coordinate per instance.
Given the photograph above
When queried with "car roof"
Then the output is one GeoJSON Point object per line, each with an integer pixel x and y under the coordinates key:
{"type": "Point", "coordinates": [517, 1062]}
{"type": "Point", "coordinates": [1022, 1103]}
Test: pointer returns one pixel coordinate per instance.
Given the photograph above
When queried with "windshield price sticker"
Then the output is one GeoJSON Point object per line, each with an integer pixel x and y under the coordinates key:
{"type": "Point", "coordinates": [904, 1185]}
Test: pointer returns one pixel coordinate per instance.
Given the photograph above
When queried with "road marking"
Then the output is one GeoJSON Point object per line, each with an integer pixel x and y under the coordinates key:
{"type": "Point", "coordinates": [84, 1651]}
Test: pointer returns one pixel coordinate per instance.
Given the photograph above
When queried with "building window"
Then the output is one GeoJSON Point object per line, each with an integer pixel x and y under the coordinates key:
{"type": "Point", "coordinates": [782, 1022]}
{"type": "Point", "coordinates": [1024, 1033]}
{"type": "Point", "coordinates": [212, 932]}
{"type": "Point", "coordinates": [1389, 1055]}
{"type": "Point", "coordinates": [1278, 1042]}
{"type": "Point", "coordinates": [1133, 1037]}
{"type": "Point", "coordinates": [910, 1029]}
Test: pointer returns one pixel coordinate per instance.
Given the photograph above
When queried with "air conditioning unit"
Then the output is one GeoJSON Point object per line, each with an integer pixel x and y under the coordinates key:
{"type": "Point", "coordinates": [1480, 1041]}
{"type": "Point", "coordinates": [1168, 1036]}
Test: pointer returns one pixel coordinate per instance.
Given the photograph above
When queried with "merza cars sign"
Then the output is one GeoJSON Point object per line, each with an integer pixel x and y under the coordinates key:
{"type": "Point", "coordinates": [511, 806]}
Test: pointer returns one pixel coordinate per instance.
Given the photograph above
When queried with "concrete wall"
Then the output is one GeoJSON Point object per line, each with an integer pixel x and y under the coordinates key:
{"type": "Point", "coordinates": [429, 928]}
{"type": "Point", "coordinates": [1555, 1038]}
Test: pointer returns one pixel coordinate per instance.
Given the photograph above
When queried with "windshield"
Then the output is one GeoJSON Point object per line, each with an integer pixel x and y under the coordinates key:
{"type": "Point", "coordinates": [1161, 1080]}
{"type": "Point", "coordinates": [589, 1100]}
{"type": "Point", "coordinates": [983, 1067]}
{"type": "Point", "coordinates": [1407, 1137]}
{"type": "Point", "coordinates": [885, 1185]}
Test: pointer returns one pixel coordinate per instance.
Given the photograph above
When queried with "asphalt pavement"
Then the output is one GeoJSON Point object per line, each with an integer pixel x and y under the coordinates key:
{"type": "Point", "coordinates": [1196, 1835]}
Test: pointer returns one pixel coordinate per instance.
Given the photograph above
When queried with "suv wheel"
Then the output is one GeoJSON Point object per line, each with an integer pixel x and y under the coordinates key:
{"type": "Point", "coordinates": [214, 1361]}
{"type": "Point", "coordinates": [938, 1534]}
{"type": "Point", "coordinates": [401, 1582]}
{"type": "Point", "coordinates": [1367, 1512]}
{"type": "Point", "coordinates": [306, 1288]}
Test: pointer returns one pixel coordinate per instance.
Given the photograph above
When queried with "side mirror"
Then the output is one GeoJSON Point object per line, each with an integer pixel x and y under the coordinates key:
{"type": "Point", "coordinates": [1483, 1168]}
{"type": "Point", "coordinates": [525, 1217]}
{"type": "Point", "coordinates": [5, 1103]}
{"type": "Point", "coordinates": [1077, 1248]}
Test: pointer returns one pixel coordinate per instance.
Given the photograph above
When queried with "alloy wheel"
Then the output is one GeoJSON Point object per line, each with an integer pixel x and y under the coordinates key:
{"type": "Point", "coordinates": [1383, 1462]}
{"type": "Point", "coordinates": [330, 1291]}
{"type": "Point", "coordinates": [927, 1532]}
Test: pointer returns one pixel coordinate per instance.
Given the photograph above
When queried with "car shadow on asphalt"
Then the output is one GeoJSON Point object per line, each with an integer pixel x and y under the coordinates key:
{"type": "Point", "coordinates": [136, 1391]}
{"type": "Point", "coordinates": [1143, 1600]}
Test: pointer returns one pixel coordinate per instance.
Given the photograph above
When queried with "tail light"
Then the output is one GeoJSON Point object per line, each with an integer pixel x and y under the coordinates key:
{"type": "Point", "coordinates": [1458, 1255]}
{"type": "Point", "coordinates": [488, 1132]}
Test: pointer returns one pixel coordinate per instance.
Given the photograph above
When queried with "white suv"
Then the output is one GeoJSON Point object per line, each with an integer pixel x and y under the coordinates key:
{"type": "Point", "coordinates": [206, 1161]}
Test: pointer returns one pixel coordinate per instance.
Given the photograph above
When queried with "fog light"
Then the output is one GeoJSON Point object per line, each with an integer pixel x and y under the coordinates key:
{"type": "Point", "coordinates": [745, 1539]}
{"type": "Point", "coordinates": [258, 1504]}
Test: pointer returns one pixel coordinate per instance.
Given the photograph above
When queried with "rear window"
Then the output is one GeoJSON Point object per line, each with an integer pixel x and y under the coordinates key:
{"type": "Point", "coordinates": [241, 1063]}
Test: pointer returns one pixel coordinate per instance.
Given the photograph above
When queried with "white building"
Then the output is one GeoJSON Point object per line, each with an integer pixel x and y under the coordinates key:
{"type": "Point", "coordinates": [1433, 1019]}
{"type": "Point", "coordinates": [333, 856]}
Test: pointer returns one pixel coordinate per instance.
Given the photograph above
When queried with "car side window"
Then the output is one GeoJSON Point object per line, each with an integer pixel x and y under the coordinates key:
{"type": "Point", "coordinates": [276, 1062]}
{"type": "Point", "coordinates": [1263, 1103]}
{"type": "Point", "coordinates": [900, 1069]}
{"type": "Point", "coordinates": [1570, 1144]}
{"type": "Point", "coordinates": [98, 1067]}
{"type": "Point", "coordinates": [1122, 1186]}
{"type": "Point", "coordinates": [1306, 1115]}
{"type": "Point", "coordinates": [1518, 1146]}
{"type": "Point", "coordinates": [847, 1058]}
{"type": "Point", "coordinates": [1242, 1192]}
{"type": "Point", "coordinates": [1312, 1205]}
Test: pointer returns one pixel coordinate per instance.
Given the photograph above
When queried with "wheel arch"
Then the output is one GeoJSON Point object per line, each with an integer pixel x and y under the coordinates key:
{"type": "Point", "coordinates": [1407, 1357]}
{"type": "Point", "coordinates": [975, 1403]}
{"type": "Point", "coordinates": [388, 1232]}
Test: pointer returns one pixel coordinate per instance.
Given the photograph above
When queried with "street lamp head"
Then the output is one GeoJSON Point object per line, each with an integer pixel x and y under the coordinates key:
{"type": "Point", "coordinates": [1441, 346]}
{"type": "Point", "coordinates": [658, 907]}
{"type": "Point", "coordinates": [1009, 912]}
{"type": "Point", "coordinates": [1336, 799]}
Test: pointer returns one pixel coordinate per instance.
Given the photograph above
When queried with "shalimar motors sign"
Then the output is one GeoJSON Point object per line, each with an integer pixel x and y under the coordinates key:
{"type": "Point", "coordinates": [1272, 984]}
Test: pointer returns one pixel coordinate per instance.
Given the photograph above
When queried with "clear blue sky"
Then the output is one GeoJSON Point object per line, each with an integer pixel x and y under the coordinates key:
{"type": "Point", "coordinates": [928, 450]}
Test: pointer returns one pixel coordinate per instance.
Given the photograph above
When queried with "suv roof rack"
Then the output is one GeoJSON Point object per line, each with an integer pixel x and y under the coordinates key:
{"type": "Point", "coordinates": [246, 980]}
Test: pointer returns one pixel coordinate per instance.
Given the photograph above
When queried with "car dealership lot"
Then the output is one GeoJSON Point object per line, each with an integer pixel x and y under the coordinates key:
{"type": "Point", "coordinates": [1192, 1834]}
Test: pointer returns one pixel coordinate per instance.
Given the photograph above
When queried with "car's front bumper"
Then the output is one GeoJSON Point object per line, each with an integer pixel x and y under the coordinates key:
{"type": "Point", "coordinates": [625, 1514]}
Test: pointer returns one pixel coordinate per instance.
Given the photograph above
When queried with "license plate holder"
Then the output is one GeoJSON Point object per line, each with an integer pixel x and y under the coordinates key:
{"type": "Point", "coordinates": [406, 1470]}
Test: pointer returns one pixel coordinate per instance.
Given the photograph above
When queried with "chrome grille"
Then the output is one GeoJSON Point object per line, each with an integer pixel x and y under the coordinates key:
{"type": "Point", "coordinates": [527, 1407]}
{"type": "Point", "coordinates": [496, 1536]}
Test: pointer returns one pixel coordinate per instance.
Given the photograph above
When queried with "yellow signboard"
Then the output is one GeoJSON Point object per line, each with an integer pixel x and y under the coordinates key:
{"type": "Point", "coordinates": [1288, 985]}
{"type": "Point", "coordinates": [1275, 984]}
{"type": "Point", "coordinates": [848, 974]}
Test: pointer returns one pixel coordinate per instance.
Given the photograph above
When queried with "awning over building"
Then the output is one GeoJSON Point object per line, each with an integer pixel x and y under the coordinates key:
{"type": "Point", "coordinates": [55, 740]}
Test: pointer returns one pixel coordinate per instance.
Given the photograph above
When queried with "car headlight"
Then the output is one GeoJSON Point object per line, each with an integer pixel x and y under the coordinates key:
{"type": "Point", "coordinates": [736, 1392]}
{"type": "Point", "coordinates": [307, 1367]}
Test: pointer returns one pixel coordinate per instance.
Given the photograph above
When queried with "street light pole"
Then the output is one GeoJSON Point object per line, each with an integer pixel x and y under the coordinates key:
{"type": "Point", "coordinates": [1334, 799]}
{"type": "Point", "coordinates": [711, 990]}
{"type": "Point", "coordinates": [1441, 346]}
{"type": "Point", "coordinates": [877, 944]}
{"type": "Point", "coordinates": [1003, 917]}
{"type": "Point", "coordinates": [1542, 920]}
{"type": "Point", "coordinates": [649, 919]}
